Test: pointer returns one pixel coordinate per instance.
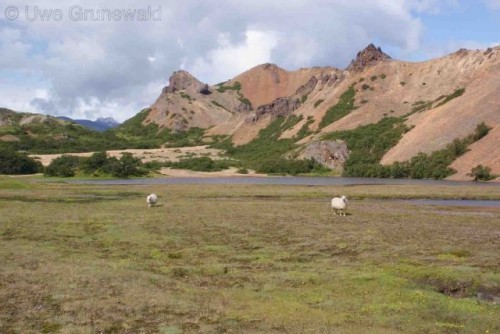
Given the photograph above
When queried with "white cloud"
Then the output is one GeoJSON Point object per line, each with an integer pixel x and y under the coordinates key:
{"type": "Point", "coordinates": [226, 59]}
{"type": "Point", "coordinates": [117, 68]}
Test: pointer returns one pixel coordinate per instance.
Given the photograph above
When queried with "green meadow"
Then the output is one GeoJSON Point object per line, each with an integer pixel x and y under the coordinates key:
{"type": "Point", "coordinates": [245, 259]}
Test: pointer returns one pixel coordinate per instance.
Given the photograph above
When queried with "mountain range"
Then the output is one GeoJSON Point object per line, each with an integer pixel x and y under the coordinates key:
{"type": "Point", "coordinates": [100, 124]}
{"type": "Point", "coordinates": [441, 100]}
{"type": "Point", "coordinates": [405, 111]}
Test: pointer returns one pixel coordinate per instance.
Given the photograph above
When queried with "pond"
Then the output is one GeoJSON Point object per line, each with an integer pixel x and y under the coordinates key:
{"type": "Point", "coordinates": [283, 180]}
{"type": "Point", "coordinates": [456, 202]}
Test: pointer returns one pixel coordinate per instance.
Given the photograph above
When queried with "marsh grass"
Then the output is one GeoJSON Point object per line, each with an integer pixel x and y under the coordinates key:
{"type": "Point", "coordinates": [260, 259]}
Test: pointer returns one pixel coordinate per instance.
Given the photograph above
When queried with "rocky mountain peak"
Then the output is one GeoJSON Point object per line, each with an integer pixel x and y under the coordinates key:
{"type": "Point", "coordinates": [367, 57]}
{"type": "Point", "coordinates": [183, 80]}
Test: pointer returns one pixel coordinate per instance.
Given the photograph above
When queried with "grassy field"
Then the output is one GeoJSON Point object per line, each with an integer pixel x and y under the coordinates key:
{"type": "Point", "coordinates": [245, 259]}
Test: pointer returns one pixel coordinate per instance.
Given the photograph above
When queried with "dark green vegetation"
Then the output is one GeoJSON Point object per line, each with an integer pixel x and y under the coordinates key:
{"type": "Point", "coordinates": [265, 153]}
{"type": "Point", "coordinates": [481, 173]}
{"type": "Point", "coordinates": [450, 97]}
{"type": "Point", "coordinates": [56, 136]}
{"type": "Point", "coordinates": [245, 259]}
{"type": "Point", "coordinates": [369, 143]}
{"type": "Point", "coordinates": [152, 136]}
{"type": "Point", "coordinates": [291, 167]}
{"type": "Point", "coordinates": [99, 164]}
{"type": "Point", "coordinates": [435, 165]}
{"type": "Point", "coordinates": [237, 87]}
{"type": "Point", "coordinates": [304, 130]}
{"type": "Point", "coordinates": [12, 162]}
{"type": "Point", "coordinates": [222, 88]}
{"type": "Point", "coordinates": [341, 109]}
{"type": "Point", "coordinates": [201, 164]}
{"type": "Point", "coordinates": [318, 102]}
{"type": "Point", "coordinates": [186, 96]}
{"type": "Point", "coordinates": [50, 135]}
{"type": "Point", "coordinates": [217, 104]}
{"type": "Point", "coordinates": [420, 106]}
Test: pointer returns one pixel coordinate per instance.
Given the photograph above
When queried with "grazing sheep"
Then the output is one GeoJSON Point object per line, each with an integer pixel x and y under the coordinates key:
{"type": "Point", "coordinates": [339, 204]}
{"type": "Point", "coordinates": [151, 200]}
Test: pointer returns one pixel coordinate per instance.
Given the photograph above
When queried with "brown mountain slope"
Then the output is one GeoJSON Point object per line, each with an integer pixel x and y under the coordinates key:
{"type": "Point", "coordinates": [479, 73]}
{"type": "Point", "coordinates": [187, 102]}
{"type": "Point", "coordinates": [265, 83]}
{"type": "Point", "coordinates": [446, 97]}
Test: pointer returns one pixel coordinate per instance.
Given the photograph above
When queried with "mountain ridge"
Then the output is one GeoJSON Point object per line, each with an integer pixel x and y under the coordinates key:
{"type": "Point", "coordinates": [433, 104]}
{"type": "Point", "coordinates": [384, 87]}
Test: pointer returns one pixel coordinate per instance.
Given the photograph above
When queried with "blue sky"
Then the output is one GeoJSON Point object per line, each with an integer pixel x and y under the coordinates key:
{"type": "Point", "coordinates": [89, 69]}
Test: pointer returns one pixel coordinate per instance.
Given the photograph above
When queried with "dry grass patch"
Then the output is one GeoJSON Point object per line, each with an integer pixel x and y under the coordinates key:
{"type": "Point", "coordinates": [244, 258]}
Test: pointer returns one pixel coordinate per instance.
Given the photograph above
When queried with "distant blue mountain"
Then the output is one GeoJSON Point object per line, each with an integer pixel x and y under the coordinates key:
{"type": "Point", "coordinates": [100, 124]}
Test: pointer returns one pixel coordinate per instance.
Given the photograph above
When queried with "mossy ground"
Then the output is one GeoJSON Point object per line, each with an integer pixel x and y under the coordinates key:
{"type": "Point", "coordinates": [244, 258]}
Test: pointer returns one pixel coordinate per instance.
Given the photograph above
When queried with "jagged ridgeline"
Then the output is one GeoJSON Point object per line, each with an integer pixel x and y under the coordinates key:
{"type": "Point", "coordinates": [361, 121]}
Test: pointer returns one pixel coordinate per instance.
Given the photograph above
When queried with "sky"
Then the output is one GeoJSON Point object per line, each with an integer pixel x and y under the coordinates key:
{"type": "Point", "coordinates": [90, 59]}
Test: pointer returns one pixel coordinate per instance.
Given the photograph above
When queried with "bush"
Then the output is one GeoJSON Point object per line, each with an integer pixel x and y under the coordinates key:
{"type": "Point", "coordinates": [481, 173]}
{"type": "Point", "coordinates": [125, 167]}
{"type": "Point", "coordinates": [481, 131]}
{"type": "Point", "coordinates": [317, 103]}
{"type": "Point", "coordinates": [455, 94]}
{"type": "Point", "coordinates": [292, 167]}
{"type": "Point", "coordinates": [64, 166]}
{"type": "Point", "coordinates": [12, 162]}
{"type": "Point", "coordinates": [94, 163]}
{"type": "Point", "coordinates": [341, 109]}
{"type": "Point", "coordinates": [201, 164]}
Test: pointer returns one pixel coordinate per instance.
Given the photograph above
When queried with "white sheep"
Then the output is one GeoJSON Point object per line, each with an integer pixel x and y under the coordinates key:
{"type": "Point", "coordinates": [151, 200]}
{"type": "Point", "coordinates": [339, 204]}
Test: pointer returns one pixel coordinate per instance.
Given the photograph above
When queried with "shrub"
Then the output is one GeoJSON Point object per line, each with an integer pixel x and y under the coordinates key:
{"type": "Point", "coordinates": [341, 109]}
{"type": "Point", "coordinates": [236, 86]}
{"type": "Point", "coordinates": [94, 163]}
{"type": "Point", "coordinates": [246, 101]}
{"type": "Point", "coordinates": [481, 131]}
{"type": "Point", "coordinates": [215, 103]}
{"type": "Point", "coordinates": [12, 162]}
{"type": "Point", "coordinates": [64, 166]}
{"type": "Point", "coordinates": [455, 94]}
{"type": "Point", "coordinates": [373, 78]}
{"type": "Point", "coordinates": [201, 164]}
{"type": "Point", "coordinates": [186, 96]}
{"type": "Point", "coordinates": [124, 167]}
{"type": "Point", "coordinates": [481, 173]}
{"type": "Point", "coordinates": [242, 171]}
{"type": "Point", "coordinates": [292, 167]}
{"type": "Point", "coordinates": [317, 103]}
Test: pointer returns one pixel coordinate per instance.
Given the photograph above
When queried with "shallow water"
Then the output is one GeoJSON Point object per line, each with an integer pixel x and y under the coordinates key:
{"type": "Point", "coordinates": [456, 202]}
{"type": "Point", "coordinates": [283, 180]}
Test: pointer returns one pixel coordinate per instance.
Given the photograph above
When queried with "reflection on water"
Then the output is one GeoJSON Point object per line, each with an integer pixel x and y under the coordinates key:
{"type": "Point", "coordinates": [283, 180]}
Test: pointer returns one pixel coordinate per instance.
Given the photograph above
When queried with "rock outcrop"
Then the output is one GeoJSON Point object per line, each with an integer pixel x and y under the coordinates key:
{"type": "Point", "coordinates": [329, 153]}
{"type": "Point", "coordinates": [182, 80]}
{"type": "Point", "coordinates": [367, 57]}
{"type": "Point", "coordinates": [282, 106]}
